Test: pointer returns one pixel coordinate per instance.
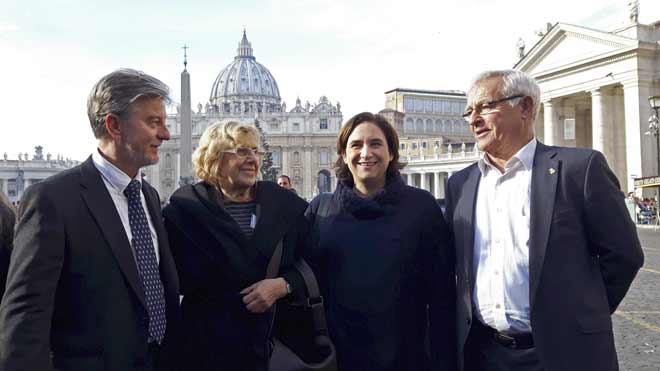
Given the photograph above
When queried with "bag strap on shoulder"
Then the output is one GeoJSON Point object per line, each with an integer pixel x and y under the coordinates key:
{"type": "Point", "coordinates": [274, 262]}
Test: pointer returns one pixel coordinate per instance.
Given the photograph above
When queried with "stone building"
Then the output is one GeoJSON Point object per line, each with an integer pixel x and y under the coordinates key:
{"type": "Point", "coordinates": [419, 113]}
{"type": "Point", "coordinates": [16, 175]}
{"type": "Point", "coordinates": [301, 139]}
{"type": "Point", "coordinates": [595, 86]}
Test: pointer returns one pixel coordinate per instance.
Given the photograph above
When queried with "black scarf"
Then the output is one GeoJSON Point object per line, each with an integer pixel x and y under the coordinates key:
{"type": "Point", "coordinates": [378, 204]}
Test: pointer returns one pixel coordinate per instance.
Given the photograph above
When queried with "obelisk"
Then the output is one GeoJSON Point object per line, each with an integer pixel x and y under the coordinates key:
{"type": "Point", "coordinates": [185, 154]}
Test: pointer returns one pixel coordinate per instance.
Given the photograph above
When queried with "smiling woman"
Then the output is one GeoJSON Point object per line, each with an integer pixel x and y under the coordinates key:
{"type": "Point", "coordinates": [380, 250]}
{"type": "Point", "coordinates": [223, 231]}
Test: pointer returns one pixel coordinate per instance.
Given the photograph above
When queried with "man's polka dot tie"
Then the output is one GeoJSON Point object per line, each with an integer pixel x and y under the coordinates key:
{"type": "Point", "coordinates": [147, 263]}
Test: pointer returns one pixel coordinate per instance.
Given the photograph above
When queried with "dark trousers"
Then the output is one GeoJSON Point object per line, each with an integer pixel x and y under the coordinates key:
{"type": "Point", "coordinates": [483, 353]}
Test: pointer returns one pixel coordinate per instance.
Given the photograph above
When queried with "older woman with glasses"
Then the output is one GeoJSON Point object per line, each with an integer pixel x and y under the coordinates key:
{"type": "Point", "coordinates": [381, 251]}
{"type": "Point", "coordinates": [223, 232]}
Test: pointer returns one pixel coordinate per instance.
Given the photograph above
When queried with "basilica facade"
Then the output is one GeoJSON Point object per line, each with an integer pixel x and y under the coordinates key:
{"type": "Point", "coordinates": [301, 138]}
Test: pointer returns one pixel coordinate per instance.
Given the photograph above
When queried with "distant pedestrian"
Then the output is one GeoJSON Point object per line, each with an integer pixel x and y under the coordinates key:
{"type": "Point", "coordinates": [285, 182]}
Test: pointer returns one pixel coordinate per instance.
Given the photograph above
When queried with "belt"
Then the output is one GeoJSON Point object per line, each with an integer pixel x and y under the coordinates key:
{"type": "Point", "coordinates": [512, 341]}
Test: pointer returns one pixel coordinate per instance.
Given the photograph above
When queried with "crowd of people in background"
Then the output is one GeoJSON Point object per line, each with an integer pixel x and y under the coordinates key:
{"type": "Point", "coordinates": [644, 209]}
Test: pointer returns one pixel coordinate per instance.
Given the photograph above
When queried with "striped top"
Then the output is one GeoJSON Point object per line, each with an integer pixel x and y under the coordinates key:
{"type": "Point", "coordinates": [242, 213]}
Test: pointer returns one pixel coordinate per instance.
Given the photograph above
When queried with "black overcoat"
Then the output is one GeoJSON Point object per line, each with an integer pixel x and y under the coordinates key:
{"type": "Point", "coordinates": [216, 261]}
{"type": "Point", "coordinates": [386, 272]}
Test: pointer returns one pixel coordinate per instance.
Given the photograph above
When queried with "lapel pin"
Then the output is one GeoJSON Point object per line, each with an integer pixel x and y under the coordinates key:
{"type": "Point", "coordinates": [552, 170]}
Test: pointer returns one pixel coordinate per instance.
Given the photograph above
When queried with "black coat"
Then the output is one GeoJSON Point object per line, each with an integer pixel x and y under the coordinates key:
{"type": "Point", "coordinates": [385, 269]}
{"type": "Point", "coordinates": [216, 261]}
{"type": "Point", "coordinates": [583, 255]}
{"type": "Point", "coordinates": [73, 290]}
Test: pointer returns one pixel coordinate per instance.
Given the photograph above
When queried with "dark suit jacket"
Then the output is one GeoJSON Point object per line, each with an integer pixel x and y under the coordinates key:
{"type": "Point", "coordinates": [73, 289]}
{"type": "Point", "coordinates": [584, 254]}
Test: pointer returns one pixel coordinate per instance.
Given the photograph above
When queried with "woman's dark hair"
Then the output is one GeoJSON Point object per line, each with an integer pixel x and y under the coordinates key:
{"type": "Point", "coordinates": [341, 169]}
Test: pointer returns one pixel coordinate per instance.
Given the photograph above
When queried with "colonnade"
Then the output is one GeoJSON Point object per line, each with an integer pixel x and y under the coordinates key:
{"type": "Point", "coordinates": [433, 181]}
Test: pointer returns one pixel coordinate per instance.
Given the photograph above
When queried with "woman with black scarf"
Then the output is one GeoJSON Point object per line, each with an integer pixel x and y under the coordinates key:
{"type": "Point", "coordinates": [381, 251]}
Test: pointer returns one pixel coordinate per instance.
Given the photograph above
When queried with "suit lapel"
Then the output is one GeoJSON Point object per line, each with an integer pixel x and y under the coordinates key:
{"type": "Point", "coordinates": [467, 209]}
{"type": "Point", "coordinates": [546, 171]}
{"type": "Point", "coordinates": [100, 204]}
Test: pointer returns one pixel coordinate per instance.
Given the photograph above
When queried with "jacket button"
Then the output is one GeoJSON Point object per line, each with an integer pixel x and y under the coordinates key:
{"type": "Point", "coordinates": [468, 321]}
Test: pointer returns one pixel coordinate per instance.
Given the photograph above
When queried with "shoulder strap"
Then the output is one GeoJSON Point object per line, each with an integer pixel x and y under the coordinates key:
{"type": "Point", "coordinates": [314, 300]}
{"type": "Point", "coordinates": [274, 263]}
{"type": "Point", "coordinates": [325, 199]}
{"type": "Point", "coordinates": [324, 204]}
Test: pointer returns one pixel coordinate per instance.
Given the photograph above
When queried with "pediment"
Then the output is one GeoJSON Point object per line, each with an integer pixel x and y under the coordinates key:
{"type": "Point", "coordinates": [566, 45]}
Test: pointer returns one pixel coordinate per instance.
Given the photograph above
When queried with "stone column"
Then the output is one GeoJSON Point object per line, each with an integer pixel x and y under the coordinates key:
{"type": "Point", "coordinates": [308, 178]}
{"type": "Point", "coordinates": [436, 184]}
{"type": "Point", "coordinates": [618, 136]}
{"type": "Point", "coordinates": [599, 136]}
{"type": "Point", "coordinates": [422, 180]}
{"type": "Point", "coordinates": [285, 161]}
{"type": "Point", "coordinates": [637, 113]}
{"type": "Point", "coordinates": [549, 135]}
{"type": "Point", "coordinates": [567, 113]}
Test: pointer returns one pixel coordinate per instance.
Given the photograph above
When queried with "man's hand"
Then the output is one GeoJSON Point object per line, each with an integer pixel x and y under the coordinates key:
{"type": "Point", "coordinates": [260, 296]}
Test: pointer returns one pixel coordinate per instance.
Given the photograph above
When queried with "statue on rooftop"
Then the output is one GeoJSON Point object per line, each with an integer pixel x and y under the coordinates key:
{"type": "Point", "coordinates": [633, 7]}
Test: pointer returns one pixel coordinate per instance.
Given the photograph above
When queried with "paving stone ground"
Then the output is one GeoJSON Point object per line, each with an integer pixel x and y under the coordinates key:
{"type": "Point", "coordinates": [637, 320]}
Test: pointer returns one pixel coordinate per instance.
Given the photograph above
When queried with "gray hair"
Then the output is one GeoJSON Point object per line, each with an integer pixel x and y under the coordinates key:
{"type": "Point", "coordinates": [514, 82]}
{"type": "Point", "coordinates": [115, 93]}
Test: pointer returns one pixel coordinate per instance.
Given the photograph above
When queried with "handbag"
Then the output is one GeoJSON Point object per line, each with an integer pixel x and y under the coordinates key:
{"type": "Point", "coordinates": [301, 341]}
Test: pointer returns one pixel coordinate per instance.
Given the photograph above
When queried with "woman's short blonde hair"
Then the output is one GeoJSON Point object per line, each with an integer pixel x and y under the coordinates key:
{"type": "Point", "coordinates": [216, 139]}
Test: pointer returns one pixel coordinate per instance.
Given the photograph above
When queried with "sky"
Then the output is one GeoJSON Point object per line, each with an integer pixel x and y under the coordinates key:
{"type": "Point", "coordinates": [352, 51]}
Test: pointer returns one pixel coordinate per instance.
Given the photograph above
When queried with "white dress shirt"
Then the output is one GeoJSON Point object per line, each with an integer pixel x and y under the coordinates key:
{"type": "Point", "coordinates": [116, 181]}
{"type": "Point", "coordinates": [501, 243]}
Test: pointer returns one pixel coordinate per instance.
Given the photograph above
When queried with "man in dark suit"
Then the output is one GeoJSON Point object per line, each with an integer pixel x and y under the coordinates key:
{"type": "Point", "coordinates": [545, 249]}
{"type": "Point", "coordinates": [92, 284]}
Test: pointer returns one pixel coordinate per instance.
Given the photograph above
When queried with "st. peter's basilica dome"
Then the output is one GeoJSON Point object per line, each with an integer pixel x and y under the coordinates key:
{"type": "Point", "coordinates": [245, 85]}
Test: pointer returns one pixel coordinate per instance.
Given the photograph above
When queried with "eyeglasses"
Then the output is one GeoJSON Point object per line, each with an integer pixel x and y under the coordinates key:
{"type": "Point", "coordinates": [244, 151]}
{"type": "Point", "coordinates": [487, 108]}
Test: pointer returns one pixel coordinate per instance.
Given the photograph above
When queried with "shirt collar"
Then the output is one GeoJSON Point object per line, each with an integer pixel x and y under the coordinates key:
{"type": "Point", "coordinates": [525, 156]}
{"type": "Point", "coordinates": [112, 174]}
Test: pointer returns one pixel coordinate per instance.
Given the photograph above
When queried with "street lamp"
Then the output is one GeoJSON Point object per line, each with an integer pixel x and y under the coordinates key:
{"type": "Point", "coordinates": [654, 126]}
{"type": "Point", "coordinates": [654, 129]}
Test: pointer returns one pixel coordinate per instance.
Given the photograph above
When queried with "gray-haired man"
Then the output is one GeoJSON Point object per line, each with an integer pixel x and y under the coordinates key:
{"type": "Point", "coordinates": [92, 284]}
{"type": "Point", "coordinates": [545, 249]}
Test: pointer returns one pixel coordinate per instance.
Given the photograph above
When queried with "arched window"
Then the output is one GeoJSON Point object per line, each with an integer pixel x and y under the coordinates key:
{"type": "Point", "coordinates": [296, 158]}
{"type": "Point", "coordinates": [438, 125]}
{"type": "Point", "coordinates": [429, 125]}
{"type": "Point", "coordinates": [297, 183]}
{"type": "Point", "coordinates": [168, 161]}
{"type": "Point", "coordinates": [419, 126]}
{"type": "Point", "coordinates": [324, 157]}
{"type": "Point", "coordinates": [410, 125]}
{"type": "Point", "coordinates": [323, 182]}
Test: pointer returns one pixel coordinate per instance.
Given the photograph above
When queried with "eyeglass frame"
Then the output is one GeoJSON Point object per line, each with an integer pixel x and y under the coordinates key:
{"type": "Point", "coordinates": [466, 115]}
{"type": "Point", "coordinates": [254, 151]}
